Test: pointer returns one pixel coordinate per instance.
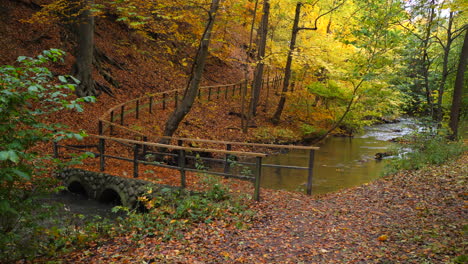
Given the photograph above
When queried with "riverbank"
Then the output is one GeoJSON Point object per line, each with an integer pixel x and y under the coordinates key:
{"type": "Point", "coordinates": [410, 217]}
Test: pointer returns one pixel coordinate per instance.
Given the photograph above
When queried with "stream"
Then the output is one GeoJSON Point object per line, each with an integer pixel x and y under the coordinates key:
{"type": "Point", "coordinates": [341, 162]}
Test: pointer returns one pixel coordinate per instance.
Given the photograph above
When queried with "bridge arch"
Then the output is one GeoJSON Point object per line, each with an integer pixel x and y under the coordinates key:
{"type": "Point", "coordinates": [78, 188]}
{"type": "Point", "coordinates": [76, 184]}
{"type": "Point", "coordinates": [112, 194]}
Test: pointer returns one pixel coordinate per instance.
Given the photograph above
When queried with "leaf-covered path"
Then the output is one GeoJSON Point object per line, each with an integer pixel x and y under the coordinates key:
{"type": "Point", "coordinates": [411, 217]}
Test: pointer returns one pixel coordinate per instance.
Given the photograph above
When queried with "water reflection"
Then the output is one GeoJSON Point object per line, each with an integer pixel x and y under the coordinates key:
{"type": "Point", "coordinates": [340, 163]}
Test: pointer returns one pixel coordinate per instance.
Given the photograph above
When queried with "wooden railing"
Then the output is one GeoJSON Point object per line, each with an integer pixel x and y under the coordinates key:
{"type": "Point", "coordinates": [115, 117]}
{"type": "Point", "coordinates": [180, 148]}
{"type": "Point", "coordinates": [140, 151]}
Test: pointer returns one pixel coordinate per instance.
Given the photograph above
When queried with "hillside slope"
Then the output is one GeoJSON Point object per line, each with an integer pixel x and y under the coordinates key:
{"type": "Point", "coordinates": [140, 66]}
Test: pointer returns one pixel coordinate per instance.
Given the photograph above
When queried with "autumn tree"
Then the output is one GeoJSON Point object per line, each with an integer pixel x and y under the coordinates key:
{"type": "Point", "coordinates": [292, 46]}
{"type": "Point", "coordinates": [78, 18]}
{"type": "Point", "coordinates": [375, 37]}
{"type": "Point", "coordinates": [196, 74]}
{"type": "Point", "coordinates": [83, 67]}
{"type": "Point", "coordinates": [260, 58]}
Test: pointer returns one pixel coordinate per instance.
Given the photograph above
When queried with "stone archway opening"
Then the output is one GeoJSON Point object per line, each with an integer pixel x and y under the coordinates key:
{"type": "Point", "coordinates": [110, 196]}
{"type": "Point", "coordinates": [78, 188]}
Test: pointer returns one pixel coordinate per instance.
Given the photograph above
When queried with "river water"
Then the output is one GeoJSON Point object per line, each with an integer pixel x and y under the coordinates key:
{"type": "Point", "coordinates": [341, 162]}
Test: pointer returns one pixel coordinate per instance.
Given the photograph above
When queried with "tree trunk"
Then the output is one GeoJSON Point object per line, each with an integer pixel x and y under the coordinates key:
{"type": "Point", "coordinates": [439, 113]}
{"type": "Point", "coordinates": [287, 71]}
{"type": "Point", "coordinates": [458, 89]}
{"type": "Point", "coordinates": [244, 118]}
{"type": "Point", "coordinates": [426, 63]}
{"type": "Point", "coordinates": [194, 82]}
{"type": "Point", "coordinates": [83, 67]}
{"type": "Point", "coordinates": [258, 75]}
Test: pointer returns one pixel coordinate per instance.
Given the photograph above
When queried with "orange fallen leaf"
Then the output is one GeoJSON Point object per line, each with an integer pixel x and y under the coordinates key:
{"type": "Point", "coordinates": [383, 238]}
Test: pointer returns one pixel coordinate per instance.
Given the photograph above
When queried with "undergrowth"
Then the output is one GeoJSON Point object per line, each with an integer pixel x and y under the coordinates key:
{"type": "Point", "coordinates": [422, 149]}
{"type": "Point", "coordinates": [166, 214]}
{"type": "Point", "coordinates": [169, 213]}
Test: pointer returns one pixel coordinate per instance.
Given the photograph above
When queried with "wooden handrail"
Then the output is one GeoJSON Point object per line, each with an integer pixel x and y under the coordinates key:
{"type": "Point", "coordinates": [123, 128]}
{"type": "Point", "coordinates": [151, 144]}
{"type": "Point", "coordinates": [160, 93]}
{"type": "Point", "coordinates": [243, 144]}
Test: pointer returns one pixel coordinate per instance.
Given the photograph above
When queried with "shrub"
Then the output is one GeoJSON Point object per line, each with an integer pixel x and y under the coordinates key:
{"type": "Point", "coordinates": [424, 148]}
{"type": "Point", "coordinates": [29, 94]}
{"type": "Point", "coordinates": [275, 135]}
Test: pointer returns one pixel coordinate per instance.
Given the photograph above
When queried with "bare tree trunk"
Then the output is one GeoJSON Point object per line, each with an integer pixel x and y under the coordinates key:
{"type": "Point", "coordinates": [347, 110]}
{"type": "Point", "coordinates": [287, 71]}
{"type": "Point", "coordinates": [194, 82]}
{"type": "Point", "coordinates": [426, 63]}
{"type": "Point", "coordinates": [258, 75]}
{"type": "Point", "coordinates": [438, 111]}
{"type": "Point", "coordinates": [83, 67]}
{"type": "Point", "coordinates": [458, 89]}
{"type": "Point", "coordinates": [244, 120]}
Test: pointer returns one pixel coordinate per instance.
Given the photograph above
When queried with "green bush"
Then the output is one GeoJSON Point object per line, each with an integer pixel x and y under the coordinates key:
{"type": "Point", "coordinates": [275, 135]}
{"type": "Point", "coordinates": [29, 94]}
{"type": "Point", "coordinates": [423, 149]}
{"type": "Point", "coordinates": [170, 211]}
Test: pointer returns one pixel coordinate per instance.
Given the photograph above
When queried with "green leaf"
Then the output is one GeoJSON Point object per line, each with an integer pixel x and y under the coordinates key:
{"type": "Point", "coordinates": [9, 155]}
{"type": "Point", "coordinates": [21, 58]}
{"type": "Point", "coordinates": [22, 174]}
{"type": "Point", "coordinates": [62, 79]}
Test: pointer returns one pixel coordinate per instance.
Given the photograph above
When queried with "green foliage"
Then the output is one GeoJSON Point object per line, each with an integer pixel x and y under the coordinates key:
{"type": "Point", "coordinates": [329, 90]}
{"type": "Point", "coordinates": [460, 259]}
{"type": "Point", "coordinates": [171, 211]}
{"type": "Point", "coordinates": [275, 135]}
{"type": "Point", "coordinates": [423, 149]}
{"type": "Point", "coordinates": [29, 94]}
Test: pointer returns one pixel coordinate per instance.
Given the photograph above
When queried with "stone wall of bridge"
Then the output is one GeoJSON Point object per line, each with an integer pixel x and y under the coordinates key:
{"type": "Point", "coordinates": [106, 188]}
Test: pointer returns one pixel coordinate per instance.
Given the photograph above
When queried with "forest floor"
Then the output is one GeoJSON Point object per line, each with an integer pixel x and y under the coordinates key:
{"type": "Point", "coordinates": [410, 217]}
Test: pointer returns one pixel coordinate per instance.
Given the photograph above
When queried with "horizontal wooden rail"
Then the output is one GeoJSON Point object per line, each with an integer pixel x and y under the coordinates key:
{"type": "Point", "coordinates": [114, 108]}
{"type": "Point", "coordinates": [110, 124]}
{"type": "Point", "coordinates": [158, 145]}
{"type": "Point", "coordinates": [243, 144]}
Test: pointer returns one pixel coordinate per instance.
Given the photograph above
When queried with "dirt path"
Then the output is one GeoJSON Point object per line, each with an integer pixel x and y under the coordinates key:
{"type": "Point", "coordinates": [411, 217]}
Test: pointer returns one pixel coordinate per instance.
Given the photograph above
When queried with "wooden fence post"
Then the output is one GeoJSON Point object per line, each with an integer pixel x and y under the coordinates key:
{"type": "Point", "coordinates": [111, 131]}
{"type": "Point", "coordinates": [233, 89]}
{"type": "Point", "coordinates": [151, 104]}
{"type": "Point", "coordinates": [137, 109]}
{"type": "Point", "coordinates": [258, 175]}
{"type": "Point", "coordinates": [226, 91]}
{"type": "Point", "coordinates": [183, 183]}
{"type": "Point", "coordinates": [135, 160]}
{"type": "Point", "coordinates": [100, 128]}
{"type": "Point", "coordinates": [310, 172]}
{"type": "Point", "coordinates": [227, 162]}
{"type": "Point", "coordinates": [217, 96]}
{"type": "Point", "coordinates": [56, 149]}
{"type": "Point", "coordinates": [145, 147]}
{"type": "Point", "coordinates": [102, 162]}
{"type": "Point", "coordinates": [209, 94]}
{"type": "Point", "coordinates": [122, 113]}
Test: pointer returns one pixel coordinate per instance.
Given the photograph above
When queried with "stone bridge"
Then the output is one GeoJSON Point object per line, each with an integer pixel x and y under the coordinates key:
{"type": "Point", "coordinates": [107, 188]}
